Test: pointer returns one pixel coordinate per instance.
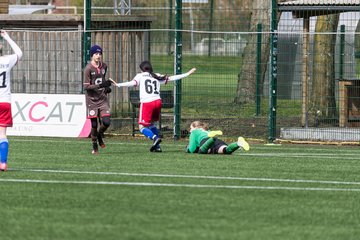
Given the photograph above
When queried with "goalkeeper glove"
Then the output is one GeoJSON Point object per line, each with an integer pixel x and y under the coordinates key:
{"type": "Point", "coordinates": [105, 84]}
{"type": "Point", "coordinates": [107, 90]}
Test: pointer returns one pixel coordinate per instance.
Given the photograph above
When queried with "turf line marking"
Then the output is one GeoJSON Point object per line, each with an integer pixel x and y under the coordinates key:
{"type": "Point", "coordinates": [295, 155]}
{"type": "Point", "coordinates": [153, 184]}
{"type": "Point", "coordinates": [170, 143]}
{"type": "Point", "coordinates": [190, 176]}
{"type": "Point", "coordinates": [300, 154]}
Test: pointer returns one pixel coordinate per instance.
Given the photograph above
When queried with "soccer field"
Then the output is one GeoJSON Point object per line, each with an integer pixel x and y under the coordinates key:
{"type": "Point", "coordinates": [55, 189]}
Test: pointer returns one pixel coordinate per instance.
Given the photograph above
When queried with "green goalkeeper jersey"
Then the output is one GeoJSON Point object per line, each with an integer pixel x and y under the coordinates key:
{"type": "Point", "coordinates": [196, 136]}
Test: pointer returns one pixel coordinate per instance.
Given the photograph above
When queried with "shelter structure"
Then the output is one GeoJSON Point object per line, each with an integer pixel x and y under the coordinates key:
{"type": "Point", "coordinates": [311, 8]}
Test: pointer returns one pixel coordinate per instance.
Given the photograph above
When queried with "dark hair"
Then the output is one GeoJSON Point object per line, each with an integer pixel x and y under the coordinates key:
{"type": "Point", "coordinates": [146, 66]}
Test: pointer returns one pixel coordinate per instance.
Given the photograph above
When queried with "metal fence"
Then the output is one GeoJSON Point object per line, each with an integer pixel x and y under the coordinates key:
{"type": "Point", "coordinates": [296, 79]}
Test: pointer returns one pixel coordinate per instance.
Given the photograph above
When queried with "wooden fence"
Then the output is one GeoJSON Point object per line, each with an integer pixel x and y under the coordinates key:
{"type": "Point", "coordinates": [4, 6]}
{"type": "Point", "coordinates": [53, 52]}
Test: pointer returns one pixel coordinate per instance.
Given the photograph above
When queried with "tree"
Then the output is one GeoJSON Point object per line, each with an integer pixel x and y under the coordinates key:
{"type": "Point", "coordinates": [323, 85]}
{"type": "Point", "coordinates": [323, 75]}
{"type": "Point", "coordinates": [246, 87]}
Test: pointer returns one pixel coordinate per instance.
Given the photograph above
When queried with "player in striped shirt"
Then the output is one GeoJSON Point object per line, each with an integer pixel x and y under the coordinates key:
{"type": "Point", "coordinates": [7, 62]}
{"type": "Point", "coordinates": [150, 101]}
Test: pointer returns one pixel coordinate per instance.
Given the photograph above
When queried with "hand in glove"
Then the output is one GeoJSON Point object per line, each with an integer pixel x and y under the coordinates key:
{"type": "Point", "coordinates": [105, 84]}
{"type": "Point", "coordinates": [107, 90]}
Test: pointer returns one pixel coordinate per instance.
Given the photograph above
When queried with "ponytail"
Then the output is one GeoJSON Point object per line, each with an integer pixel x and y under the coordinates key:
{"type": "Point", "coordinates": [146, 66]}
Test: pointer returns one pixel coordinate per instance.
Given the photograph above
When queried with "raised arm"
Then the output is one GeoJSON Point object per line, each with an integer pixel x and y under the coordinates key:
{"type": "Point", "coordinates": [12, 44]}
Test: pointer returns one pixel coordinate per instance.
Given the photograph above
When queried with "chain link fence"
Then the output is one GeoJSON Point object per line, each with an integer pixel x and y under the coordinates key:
{"type": "Point", "coordinates": [317, 73]}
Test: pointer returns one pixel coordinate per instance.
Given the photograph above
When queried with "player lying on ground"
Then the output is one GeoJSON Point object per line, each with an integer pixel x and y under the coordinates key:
{"type": "Point", "coordinates": [203, 141]}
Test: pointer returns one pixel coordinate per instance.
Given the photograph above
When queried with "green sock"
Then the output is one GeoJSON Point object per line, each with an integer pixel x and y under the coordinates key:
{"type": "Point", "coordinates": [206, 145]}
{"type": "Point", "coordinates": [232, 147]}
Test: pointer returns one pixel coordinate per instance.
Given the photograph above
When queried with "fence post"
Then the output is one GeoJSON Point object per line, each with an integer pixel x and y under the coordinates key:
{"type": "Point", "coordinates": [86, 36]}
{"type": "Point", "coordinates": [258, 69]}
{"type": "Point", "coordinates": [178, 59]}
{"type": "Point", "coordinates": [211, 20]}
{"type": "Point", "coordinates": [273, 72]}
{"type": "Point", "coordinates": [170, 33]}
{"type": "Point", "coordinates": [342, 50]}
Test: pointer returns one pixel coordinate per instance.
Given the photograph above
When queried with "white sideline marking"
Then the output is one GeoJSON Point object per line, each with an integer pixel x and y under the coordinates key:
{"type": "Point", "coordinates": [296, 155]}
{"type": "Point", "coordinates": [302, 154]}
{"type": "Point", "coordinates": [183, 143]}
{"type": "Point", "coordinates": [190, 176]}
{"type": "Point", "coordinates": [346, 153]}
{"type": "Point", "coordinates": [151, 184]}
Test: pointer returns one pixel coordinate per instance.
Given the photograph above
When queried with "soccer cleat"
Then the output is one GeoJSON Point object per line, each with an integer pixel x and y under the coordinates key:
{"type": "Point", "coordinates": [95, 148]}
{"type": "Point", "coordinates": [158, 149]}
{"type": "Point", "coordinates": [212, 134]}
{"type": "Point", "coordinates": [3, 167]}
{"type": "Point", "coordinates": [243, 144]}
{"type": "Point", "coordinates": [155, 144]}
{"type": "Point", "coordinates": [102, 145]}
{"type": "Point", "coordinates": [101, 141]}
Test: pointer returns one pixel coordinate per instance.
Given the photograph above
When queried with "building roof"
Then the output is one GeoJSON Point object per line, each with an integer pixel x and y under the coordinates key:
{"type": "Point", "coordinates": [28, 9]}
{"type": "Point", "coordinates": [308, 8]}
{"type": "Point", "coordinates": [321, 2]}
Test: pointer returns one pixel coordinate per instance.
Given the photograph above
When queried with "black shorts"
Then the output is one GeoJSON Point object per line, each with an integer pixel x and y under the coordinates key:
{"type": "Point", "coordinates": [217, 144]}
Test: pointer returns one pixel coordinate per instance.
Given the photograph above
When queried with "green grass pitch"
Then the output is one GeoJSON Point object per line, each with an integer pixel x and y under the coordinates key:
{"type": "Point", "coordinates": [55, 189]}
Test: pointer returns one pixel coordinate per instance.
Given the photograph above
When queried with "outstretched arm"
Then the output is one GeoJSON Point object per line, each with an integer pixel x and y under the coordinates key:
{"type": "Point", "coordinates": [12, 44]}
{"type": "Point", "coordinates": [180, 76]}
{"type": "Point", "coordinates": [124, 84]}
{"type": "Point", "coordinates": [132, 83]}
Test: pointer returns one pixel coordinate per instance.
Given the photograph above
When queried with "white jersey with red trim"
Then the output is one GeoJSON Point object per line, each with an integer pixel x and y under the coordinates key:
{"type": "Point", "coordinates": [149, 87]}
{"type": "Point", "coordinates": [7, 62]}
